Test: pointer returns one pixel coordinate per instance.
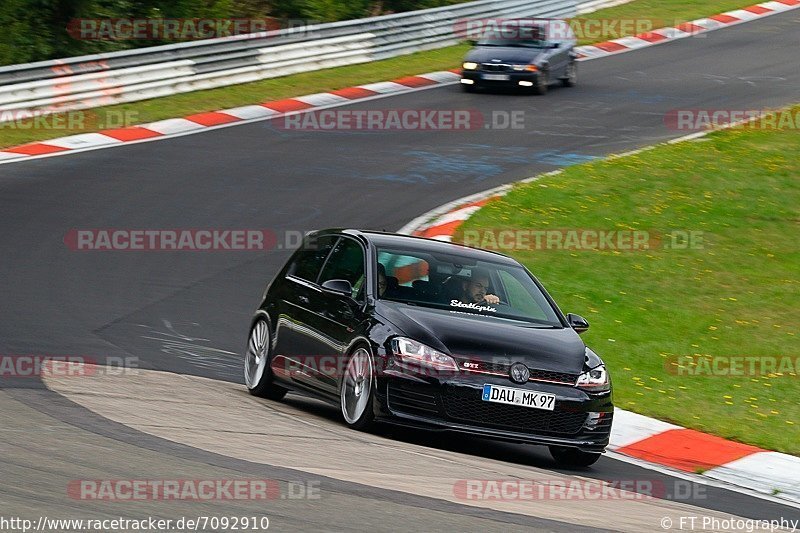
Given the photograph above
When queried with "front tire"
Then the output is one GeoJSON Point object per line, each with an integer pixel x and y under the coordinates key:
{"type": "Point", "coordinates": [571, 78]}
{"type": "Point", "coordinates": [257, 371]}
{"type": "Point", "coordinates": [357, 392]}
{"type": "Point", "coordinates": [573, 457]}
{"type": "Point", "coordinates": [542, 83]}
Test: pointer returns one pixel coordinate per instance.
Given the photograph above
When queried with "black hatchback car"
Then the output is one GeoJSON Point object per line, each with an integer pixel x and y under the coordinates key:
{"type": "Point", "coordinates": [530, 55]}
{"type": "Point", "coordinates": [433, 335]}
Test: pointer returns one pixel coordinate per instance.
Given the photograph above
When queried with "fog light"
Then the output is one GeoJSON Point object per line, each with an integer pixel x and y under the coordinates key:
{"type": "Point", "coordinates": [468, 82]}
{"type": "Point", "coordinates": [526, 83]}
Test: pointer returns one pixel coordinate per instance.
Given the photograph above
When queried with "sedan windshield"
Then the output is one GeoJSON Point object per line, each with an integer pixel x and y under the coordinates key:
{"type": "Point", "coordinates": [520, 43]}
{"type": "Point", "coordinates": [462, 284]}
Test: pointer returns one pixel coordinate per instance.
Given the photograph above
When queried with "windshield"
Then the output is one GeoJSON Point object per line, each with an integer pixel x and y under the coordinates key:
{"type": "Point", "coordinates": [523, 43]}
{"type": "Point", "coordinates": [462, 285]}
{"type": "Point", "coordinates": [521, 35]}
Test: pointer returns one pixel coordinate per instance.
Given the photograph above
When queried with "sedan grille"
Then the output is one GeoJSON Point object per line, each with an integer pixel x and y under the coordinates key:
{"type": "Point", "coordinates": [494, 67]}
{"type": "Point", "coordinates": [465, 404]}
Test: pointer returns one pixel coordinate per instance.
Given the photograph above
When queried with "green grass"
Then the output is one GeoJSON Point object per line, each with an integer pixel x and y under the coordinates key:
{"type": "Point", "coordinates": [737, 295]}
{"type": "Point", "coordinates": [668, 11]}
{"type": "Point", "coordinates": [663, 13]}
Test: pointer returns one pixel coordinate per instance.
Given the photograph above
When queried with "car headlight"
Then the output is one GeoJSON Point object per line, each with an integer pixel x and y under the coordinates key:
{"type": "Point", "coordinates": [529, 68]}
{"type": "Point", "coordinates": [596, 379]}
{"type": "Point", "coordinates": [469, 65]}
{"type": "Point", "coordinates": [415, 353]}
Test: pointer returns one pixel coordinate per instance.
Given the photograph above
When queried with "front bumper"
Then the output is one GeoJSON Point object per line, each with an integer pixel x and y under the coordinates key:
{"type": "Point", "coordinates": [455, 404]}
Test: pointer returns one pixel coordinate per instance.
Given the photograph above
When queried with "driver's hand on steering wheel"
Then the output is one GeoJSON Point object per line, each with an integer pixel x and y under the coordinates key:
{"type": "Point", "coordinates": [491, 299]}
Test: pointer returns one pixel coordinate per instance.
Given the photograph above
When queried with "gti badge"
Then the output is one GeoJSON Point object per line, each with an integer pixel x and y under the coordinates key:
{"type": "Point", "coordinates": [519, 373]}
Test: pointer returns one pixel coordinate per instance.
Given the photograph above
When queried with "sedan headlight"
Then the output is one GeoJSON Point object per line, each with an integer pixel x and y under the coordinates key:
{"type": "Point", "coordinates": [529, 68]}
{"type": "Point", "coordinates": [412, 352]}
{"type": "Point", "coordinates": [594, 380]}
{"type": "Point", "coordinates": [469, 65]}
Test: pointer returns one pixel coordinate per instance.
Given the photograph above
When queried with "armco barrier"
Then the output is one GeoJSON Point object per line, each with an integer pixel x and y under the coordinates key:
{"type": "Point", "coordinates": [125, 76]}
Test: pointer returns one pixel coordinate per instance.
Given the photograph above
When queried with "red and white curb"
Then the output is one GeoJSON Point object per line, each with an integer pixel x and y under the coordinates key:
{"type": "Point", "coordinates": [200, 122]}
{"type": "Point", "coordinates": [637, 438]}
{"type": "Point", "coordinates": [687, 29]}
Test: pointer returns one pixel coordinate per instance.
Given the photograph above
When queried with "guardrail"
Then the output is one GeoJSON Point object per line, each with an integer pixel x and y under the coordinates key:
{"type": "Point", "coordinates": [143, 73]}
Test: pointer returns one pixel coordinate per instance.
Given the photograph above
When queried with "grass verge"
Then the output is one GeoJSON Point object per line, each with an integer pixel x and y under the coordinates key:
{"type": "Point", "coordinates": [13, 134]}
{"type": "Point", "coordinates": [735, 294]}
{"type": "Point", "coordinates": [661, 13]}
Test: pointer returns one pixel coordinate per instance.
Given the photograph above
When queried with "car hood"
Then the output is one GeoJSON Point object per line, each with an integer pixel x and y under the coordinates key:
{"type": "Point", "coordinates": [486, 338]}
{"type": "Point", "coordinates": [506, 54]}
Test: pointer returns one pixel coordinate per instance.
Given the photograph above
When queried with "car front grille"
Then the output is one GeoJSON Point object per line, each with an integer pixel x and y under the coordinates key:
{"type": "Point", "coordinates": [558, 377]}
{"type": "Point", "coordinates": [465, 404]}
{"type": "Point", "coordinates": [494, 67]}
{"type": "Point", "coordinates": [536, 374]}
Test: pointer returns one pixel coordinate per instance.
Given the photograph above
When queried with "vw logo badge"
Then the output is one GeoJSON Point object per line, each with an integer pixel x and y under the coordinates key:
{"type": "Point", "coordinates": [519, 373]}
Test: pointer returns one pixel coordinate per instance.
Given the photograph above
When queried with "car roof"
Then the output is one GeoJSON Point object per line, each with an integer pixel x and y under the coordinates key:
{"type": "Point", "coordinates": [397, 240]}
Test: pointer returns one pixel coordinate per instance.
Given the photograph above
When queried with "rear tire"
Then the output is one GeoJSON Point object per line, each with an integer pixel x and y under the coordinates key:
{"type": "Point", "coordinates": [357, 391]}
{"type": "Point", "coordinates": [573, 456]}
{"type": "Point", "coordinates": [257, 371]}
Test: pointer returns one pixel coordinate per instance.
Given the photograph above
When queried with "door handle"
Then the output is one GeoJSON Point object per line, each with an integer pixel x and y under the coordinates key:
{"type": "Point", "coordinates": [303, 299]}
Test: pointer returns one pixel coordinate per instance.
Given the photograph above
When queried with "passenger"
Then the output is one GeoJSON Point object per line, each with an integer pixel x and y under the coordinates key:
{"type": "Point", "coordinates": [382, 283]}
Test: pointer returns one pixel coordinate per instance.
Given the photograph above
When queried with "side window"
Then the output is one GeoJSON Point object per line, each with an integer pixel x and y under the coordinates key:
{"type": "Point", "coordinates": [346, 262]}
{"type": "Point", "coordinates": [308, 260]}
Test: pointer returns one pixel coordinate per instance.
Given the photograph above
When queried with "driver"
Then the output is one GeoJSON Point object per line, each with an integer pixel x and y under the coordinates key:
{"type": "Point", "coordinates": [476, 287]}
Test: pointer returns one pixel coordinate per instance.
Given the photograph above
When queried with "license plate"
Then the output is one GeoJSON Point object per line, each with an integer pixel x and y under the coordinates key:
{"type": "Point", "coordinates": [496, 77]}
{"type": "Point", "coordinates": [523, 398]}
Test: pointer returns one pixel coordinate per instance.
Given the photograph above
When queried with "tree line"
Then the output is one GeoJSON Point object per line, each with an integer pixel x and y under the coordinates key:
{"type": "Point", "coordinates": [36, 30]}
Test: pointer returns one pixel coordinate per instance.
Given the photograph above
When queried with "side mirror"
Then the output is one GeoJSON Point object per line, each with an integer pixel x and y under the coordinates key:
{"type": "Point", "coordinates": [577, 322]}
{"type": "Point", "coordinates": [339, 287]}
{"type": "Point", "coordinates": [555, 45]}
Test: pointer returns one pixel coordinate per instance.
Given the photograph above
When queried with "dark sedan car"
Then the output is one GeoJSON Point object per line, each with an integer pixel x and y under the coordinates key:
{"type": "Point", "coordinates": [433, 335]}
{"type": "Point", "coordinates": [531, 57]}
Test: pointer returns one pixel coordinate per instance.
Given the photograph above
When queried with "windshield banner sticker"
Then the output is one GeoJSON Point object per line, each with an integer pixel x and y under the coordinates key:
{"type": "Point", "coordinates": [471, 305]}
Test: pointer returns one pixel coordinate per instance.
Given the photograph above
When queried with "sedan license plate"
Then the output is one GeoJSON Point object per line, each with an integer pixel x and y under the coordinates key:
{"type": "Point", "coordinates": [524, 398]}
{"type": "Point", "coordinates": [496, 77]}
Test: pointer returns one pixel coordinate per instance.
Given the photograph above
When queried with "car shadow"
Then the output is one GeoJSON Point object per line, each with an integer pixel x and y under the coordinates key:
{"type": "Point", "coordinates": [509, 452]}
